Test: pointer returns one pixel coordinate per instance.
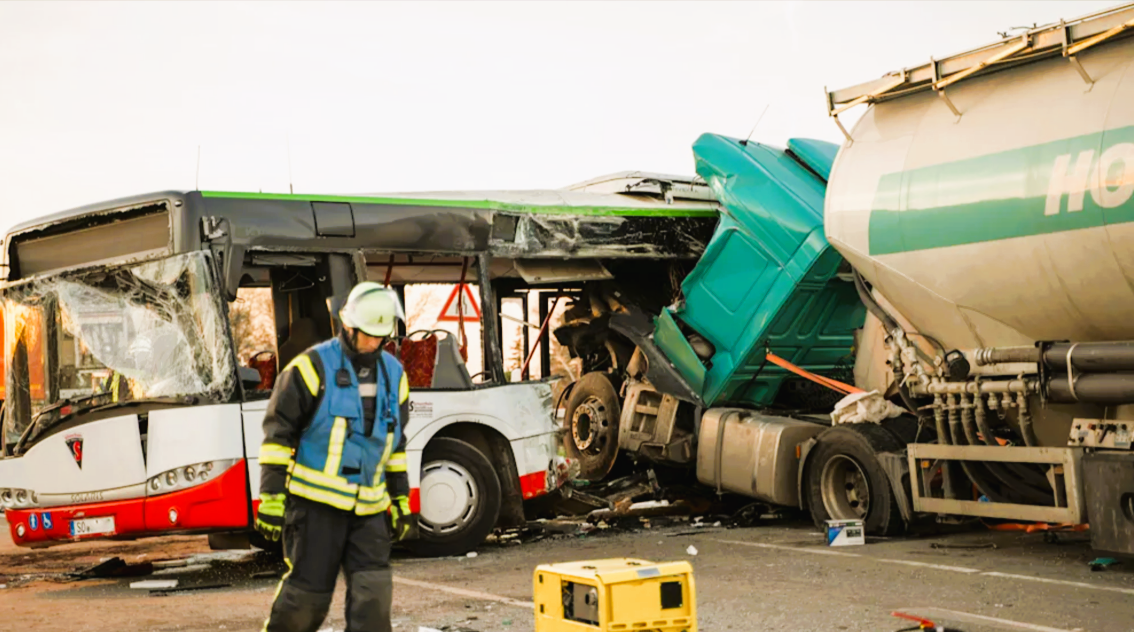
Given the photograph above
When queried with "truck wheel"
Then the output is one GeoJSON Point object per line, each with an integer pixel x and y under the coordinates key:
{"type": "Point", "coordinates": [845, 481]}
{"type": "Point", "coordinates": [460, 499]}
{"type": "Point", "coordinates": [592, 418]}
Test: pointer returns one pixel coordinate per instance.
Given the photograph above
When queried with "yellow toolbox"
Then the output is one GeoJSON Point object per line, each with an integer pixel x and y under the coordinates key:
{"type": "Point", "coordinates": [614, 595]}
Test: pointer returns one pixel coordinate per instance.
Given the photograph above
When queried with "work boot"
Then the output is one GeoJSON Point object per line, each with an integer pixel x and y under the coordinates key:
{"type": "Point", "coordinates": [368, 599]}
{"type": "Point", "coordinates": [297, 610]}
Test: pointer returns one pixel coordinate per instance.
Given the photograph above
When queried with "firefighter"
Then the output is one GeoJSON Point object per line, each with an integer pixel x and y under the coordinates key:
{"type": "Point", "coordinates": [333, 480]}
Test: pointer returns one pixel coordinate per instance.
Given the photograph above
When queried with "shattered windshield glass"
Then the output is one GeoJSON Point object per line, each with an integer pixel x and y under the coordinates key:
{"type": "Point", "coordinates": [138, 332]}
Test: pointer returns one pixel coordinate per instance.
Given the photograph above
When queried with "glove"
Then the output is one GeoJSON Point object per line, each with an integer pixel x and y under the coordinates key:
{"type": "Point", "coordinates": [270, 516]}
{"type": "Point", "coordinates": [402, 522]}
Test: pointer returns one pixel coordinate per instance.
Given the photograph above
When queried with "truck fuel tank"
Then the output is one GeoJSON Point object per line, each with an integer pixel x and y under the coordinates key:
{"type": "Point", "coordinates": [751, 454]}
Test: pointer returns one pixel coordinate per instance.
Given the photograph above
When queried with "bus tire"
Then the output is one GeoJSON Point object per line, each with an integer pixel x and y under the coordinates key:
{"type": "Point", "coordinates": [592, 417]}
{"type": "Point", "coordinates": [460, 499]}
{"type": "Point", "coordinates": [844, 479]}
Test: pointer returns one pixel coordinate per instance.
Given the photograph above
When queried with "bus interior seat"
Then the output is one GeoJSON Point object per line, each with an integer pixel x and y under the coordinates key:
{"type": "Point", "coordinates": [304, 335]}
{"type": "Point", "coordinates": [419, 359]}
{"type": "Point", "coordinates": [450, 371]}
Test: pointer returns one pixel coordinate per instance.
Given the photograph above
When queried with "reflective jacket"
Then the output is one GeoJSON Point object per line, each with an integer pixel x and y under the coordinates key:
{"type": "Point", "coordinates": [334, 460]}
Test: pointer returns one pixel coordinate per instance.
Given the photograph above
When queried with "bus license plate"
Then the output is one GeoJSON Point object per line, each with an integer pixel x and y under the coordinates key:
{"type": "Point", "coordinates": [92, 526]}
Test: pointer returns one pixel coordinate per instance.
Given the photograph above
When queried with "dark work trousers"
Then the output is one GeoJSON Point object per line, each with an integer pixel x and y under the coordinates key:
{"type": "Point", "coordinates": [318, 540]}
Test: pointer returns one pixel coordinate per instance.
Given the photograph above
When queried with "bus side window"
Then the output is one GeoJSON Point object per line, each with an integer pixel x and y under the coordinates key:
{"type": "Point", "coordinates": [252, 319]}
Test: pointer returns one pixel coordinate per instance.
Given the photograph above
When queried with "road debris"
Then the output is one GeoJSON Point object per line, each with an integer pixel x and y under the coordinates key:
{"type": "Point", "coordinates": [175, 590]}
{"type": "Point", "coordinates": [113, 567]}
{"type": "Point", "coordinates": [1102, 563]}
{"type": "Point", "coordinates": [154, 584]}
{"type": "Point", "coordinates": [939, 545]}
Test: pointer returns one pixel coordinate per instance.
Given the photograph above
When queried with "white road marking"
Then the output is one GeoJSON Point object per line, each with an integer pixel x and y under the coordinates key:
{"type": "Point", "coordinates": [966, 617]}
{"type": "Point", "coordinates": [942, 567]}
{"type": "Point", "coordinates": [784, 547]}
{"type": "Point", "coordinates": [1062, 582]}
{"type": "Point", "coordinates": [472, 594]}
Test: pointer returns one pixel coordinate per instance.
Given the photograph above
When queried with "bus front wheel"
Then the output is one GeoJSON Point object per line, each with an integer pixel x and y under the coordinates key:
{"type": "Point", "coordinates": [460, 499]}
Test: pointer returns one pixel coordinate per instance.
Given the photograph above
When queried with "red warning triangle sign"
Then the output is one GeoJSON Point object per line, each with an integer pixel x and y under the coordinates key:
{"type": "Point", "coordinates": [450, 312]}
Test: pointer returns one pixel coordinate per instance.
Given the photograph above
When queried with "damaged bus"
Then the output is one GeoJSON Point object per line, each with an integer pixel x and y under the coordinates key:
{"type": "Point", "coordinates": [134, 400]}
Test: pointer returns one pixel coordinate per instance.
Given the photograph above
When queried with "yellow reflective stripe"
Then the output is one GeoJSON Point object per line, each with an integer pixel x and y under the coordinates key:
{"type": "Point", "coordinates": [397, 462]}
{"type": "Point", "coordinates": [307, 370]}
{"type": "Point", "coordinates": [385, 457]}
{"type": "Point", "coordinates": [403, 391]}
{"type": "Point", "coordinates": [368, 509]}
{"type": "Point", "coordinates": [279, 588]}
{"type": "Point", "coordinates": [335, 447]}
{"type": "Point", "coordinates": [315, 477]}
{"type": "Point", "coordinates": [274, 454]}
{"type": "Point", "coordinates": [322, 496]}
{"type": "Point", "coordinates": [372, 494]}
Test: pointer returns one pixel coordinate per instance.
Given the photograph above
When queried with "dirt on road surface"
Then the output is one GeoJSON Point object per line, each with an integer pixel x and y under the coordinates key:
{"type": "Point", "coordinates": [773, 577]}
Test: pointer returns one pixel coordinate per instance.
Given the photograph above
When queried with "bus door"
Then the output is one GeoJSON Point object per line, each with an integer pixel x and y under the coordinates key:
{"type": "Point", "coordinates": [283, 307]}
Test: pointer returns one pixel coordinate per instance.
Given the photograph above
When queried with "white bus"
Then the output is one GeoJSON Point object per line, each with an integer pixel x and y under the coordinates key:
{"type": "Point", "coordinates": [142, 413]}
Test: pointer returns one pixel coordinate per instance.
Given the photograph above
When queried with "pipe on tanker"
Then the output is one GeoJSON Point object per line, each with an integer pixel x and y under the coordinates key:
{"type": "Point", "coordinates": [1004, 386]}
{"type": "Point", "coordinates": [1006, 355]}
{"type": "Point", "coordinates": [1092, 388]}
{"type": "Point", "coordinates": [1090, 357]}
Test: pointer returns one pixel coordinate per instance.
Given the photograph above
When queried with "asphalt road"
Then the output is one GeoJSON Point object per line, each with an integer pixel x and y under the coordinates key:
{"type": "Point", "coordinates": [773, 577]}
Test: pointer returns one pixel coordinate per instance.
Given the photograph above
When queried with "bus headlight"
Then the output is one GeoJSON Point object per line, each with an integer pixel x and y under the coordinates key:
{"type": "Point", "coordinates": [18, 498]}
{"type": "Point", "coordinates": [188, 476]}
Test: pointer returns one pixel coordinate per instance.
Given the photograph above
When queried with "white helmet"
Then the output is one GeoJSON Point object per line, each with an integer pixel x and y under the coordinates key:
{"type": "Point", "coordinates": [371, 308]}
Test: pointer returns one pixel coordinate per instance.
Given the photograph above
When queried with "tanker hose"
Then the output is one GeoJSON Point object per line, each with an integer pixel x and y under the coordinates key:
{"type": "Point", "coordinates": [967, 420]}
{"type": "Point", "coordinates": [872, 305]}
{"type": "Point", "coordinates": [943, 439]}
{"type": "Point", "coordinates": [1025, 418]}
{"type": "Point", "coordinates": [1012, 484]}
{"type": "Point", "coordinates": [1028, 474]}
{"type": "Point", "coordinates": [972, 470]}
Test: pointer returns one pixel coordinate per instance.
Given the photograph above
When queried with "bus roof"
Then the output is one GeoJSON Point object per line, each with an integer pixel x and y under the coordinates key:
{"type": "Point", "coordinates": [643, 194]}
{"type": "Point", "coordinates": [631, 214]}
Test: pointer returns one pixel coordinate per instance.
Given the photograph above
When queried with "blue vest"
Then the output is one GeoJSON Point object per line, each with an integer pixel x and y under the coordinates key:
{"type": "Point", "coordinates": [337, 463]}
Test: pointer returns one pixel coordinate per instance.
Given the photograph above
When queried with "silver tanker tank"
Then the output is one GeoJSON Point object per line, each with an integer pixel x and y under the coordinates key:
{"type": "Point", "coordinates": [988, 197]}
{"type": "Point", "coordinates": [1008, 224]}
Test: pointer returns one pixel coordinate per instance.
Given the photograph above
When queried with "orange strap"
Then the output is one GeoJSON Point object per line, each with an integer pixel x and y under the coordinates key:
{"type": "Point", "coordinates": [834, 385]}
{"type": "Point", "coordinates": [1032, 528]}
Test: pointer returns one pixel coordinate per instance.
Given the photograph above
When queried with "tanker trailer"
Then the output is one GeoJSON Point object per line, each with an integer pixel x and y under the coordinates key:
{"type": "Point", "coordinates": [968, 246]}
{"type": "Point", "coordinates": [984, 201]}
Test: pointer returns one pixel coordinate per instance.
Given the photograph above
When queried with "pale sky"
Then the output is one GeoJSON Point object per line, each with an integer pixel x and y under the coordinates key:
{"type": "Point", "coordinates": [104, 100]}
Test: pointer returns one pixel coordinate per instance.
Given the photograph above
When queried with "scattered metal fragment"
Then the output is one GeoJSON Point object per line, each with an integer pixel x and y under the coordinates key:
{"type": "Point", "coordinates": [170, 591]}
{"type": "Point", "coordinates": [154, 584]}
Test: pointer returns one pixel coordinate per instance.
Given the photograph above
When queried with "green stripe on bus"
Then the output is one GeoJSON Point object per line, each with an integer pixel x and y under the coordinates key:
{"type": "Point", "coordinates": [489, 205]}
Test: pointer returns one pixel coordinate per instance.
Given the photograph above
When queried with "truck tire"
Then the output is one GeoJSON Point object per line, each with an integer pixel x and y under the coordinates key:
{"type": "Point", "coordinates": [592, 416]}
{"type": "Point", "coordinates": [460, 499]}
{"type": "Point", "coordinates": [845, 481]}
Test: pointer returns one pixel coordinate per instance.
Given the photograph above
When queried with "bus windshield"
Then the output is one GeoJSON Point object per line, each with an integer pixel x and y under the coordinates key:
{"type": "Point", "coordinates": [143, 331]}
